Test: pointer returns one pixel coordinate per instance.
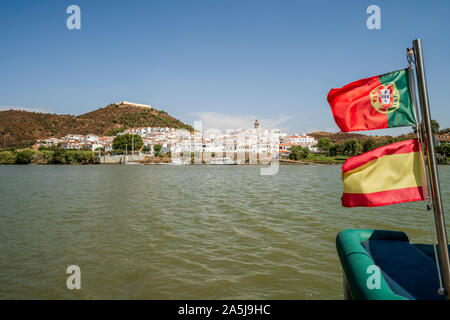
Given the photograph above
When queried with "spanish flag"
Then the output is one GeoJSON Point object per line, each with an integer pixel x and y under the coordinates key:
{"type": "Point", "coordinates": [386, 175]}
{"type": "Point", "coordinates": [377, 102]}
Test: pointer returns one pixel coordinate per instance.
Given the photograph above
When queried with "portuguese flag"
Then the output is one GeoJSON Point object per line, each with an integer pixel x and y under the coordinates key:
{"type": "Point", "coordinates": [373, 103]}
{"type": "Point", "coordinates": [386, 175]}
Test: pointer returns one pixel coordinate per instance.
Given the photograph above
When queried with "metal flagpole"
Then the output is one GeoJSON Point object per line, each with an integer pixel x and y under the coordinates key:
{"type": "Point", "coordinates": [432, 168]}
{"type": "Point", "coordinates": [413, 95]}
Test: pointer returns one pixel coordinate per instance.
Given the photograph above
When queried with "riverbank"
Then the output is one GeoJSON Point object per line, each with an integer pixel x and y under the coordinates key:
{"type": "Point", "coordinates": [317, 159]}
{"type": "Point", "coordinates": [47, 156]}
{"type": "Point", "coordinates": [76, 157]}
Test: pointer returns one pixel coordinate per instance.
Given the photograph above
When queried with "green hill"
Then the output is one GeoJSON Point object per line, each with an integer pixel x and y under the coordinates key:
{"type": "Point", "coordinates": [22, 128]}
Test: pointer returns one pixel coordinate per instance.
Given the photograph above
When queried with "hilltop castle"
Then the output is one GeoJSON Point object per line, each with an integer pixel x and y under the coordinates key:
{"type": "Point", "coordinates": [128, 103]}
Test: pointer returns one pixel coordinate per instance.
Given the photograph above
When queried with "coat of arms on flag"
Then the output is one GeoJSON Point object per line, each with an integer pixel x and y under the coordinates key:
{"type": "Point", "coordinates": [385, 98]}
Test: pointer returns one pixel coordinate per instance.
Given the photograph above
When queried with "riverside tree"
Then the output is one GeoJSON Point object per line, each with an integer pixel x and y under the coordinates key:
{"type": "Point", "coordinates": [146, 149]}
{"type": "Point", "coordinates": [125, 141]}
{"type": "Point", "coordinates": [443, 149]}
{"type": "Point", "coordinates": [368, 145]}
{"type": "Point", "coordinates": [324, 144]}
{"type": "Point", "coordinates": [434, 127]}
{"type": "Point", "coordinates": [47, 156]}
{"type": "Point", "coordinates": [333, 151]}
{"type": "Point", "coordinates": [443, 153]}
{"type": "Point", "coordinates": [25, 156]}
{"type": "Point", "coordinates": [352, 147]}
{"type": "Point", "coordinates": [7, 157]}
{"type": "Point", "coordinates": [298, 153]}
{"type": "Point", "coordinates": [157, 149]}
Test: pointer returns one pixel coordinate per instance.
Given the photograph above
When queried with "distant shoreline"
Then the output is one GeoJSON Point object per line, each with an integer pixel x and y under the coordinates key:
{"type": "Point", "coordinates": [297, 163]}
{"type": "Point", "coordinates": [84, 157]}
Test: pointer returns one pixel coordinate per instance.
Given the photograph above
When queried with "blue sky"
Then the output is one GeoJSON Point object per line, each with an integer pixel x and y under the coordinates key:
{"type": "Point", "coordinates": [226, 62]}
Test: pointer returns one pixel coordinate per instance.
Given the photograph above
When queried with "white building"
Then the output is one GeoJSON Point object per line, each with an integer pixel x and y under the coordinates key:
{"type": "Point", "coordinates": [252, 141]}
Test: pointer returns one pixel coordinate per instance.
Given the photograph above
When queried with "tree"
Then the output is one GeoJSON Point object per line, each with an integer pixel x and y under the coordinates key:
{"type": "Point", "coordinates": [42, 157]}
{"type": "Point", "coordinates": [298, 152]}
{"type": "Point", "coordinates": [305, 152]}
{"type": "Point", "coordinates": [333, 151]}
{"type": "Point", "coordinates": [59, 156]}
{"type": "Point", "coordinates": [146, 149]}
{"type": "Point", "coordinates": [368, 145]}
{"type": "Point", "coordinates": [324, 144]}
{"type": "Point", "coordinates": [443, 149]}
{"type": "Point", "coordinates": [434, 127]}
{"type": "Point", "coordinates": [352, 147]}
{"type": "Point", "coordinates": [7, 157]}
{"type": "Point", "coordinates": [84, 157]}
{"type": "Point", "coordinates": [125, 141]}
{"type": "Point", "coordinates": [25, 156]}
{"type": "Point", "coordinates": [157, 149]}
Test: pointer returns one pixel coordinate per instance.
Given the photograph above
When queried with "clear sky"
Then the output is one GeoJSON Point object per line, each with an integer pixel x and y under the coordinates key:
{"type": "Point", "coordinates": [226, 62]}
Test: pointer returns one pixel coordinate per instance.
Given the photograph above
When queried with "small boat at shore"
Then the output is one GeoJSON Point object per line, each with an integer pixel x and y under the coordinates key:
{"type": "Point", "coordinates": [132, 163]}
{"type": "Point", "coordinates": [223, 161]}
{"type": "Point", "coordinates": [178, 162]}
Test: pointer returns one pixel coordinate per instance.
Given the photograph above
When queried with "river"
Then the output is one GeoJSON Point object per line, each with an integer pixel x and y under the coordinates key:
{"type": "Point", "coordinates": [183, 232]}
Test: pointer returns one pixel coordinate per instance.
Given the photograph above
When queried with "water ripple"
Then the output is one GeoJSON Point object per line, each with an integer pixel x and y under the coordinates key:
{"type": "Point", "coordinates": [191, 232]}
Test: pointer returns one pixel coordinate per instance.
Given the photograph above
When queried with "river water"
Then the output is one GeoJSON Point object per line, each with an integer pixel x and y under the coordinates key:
{"type": "Point", "coordinates": [183, 232]}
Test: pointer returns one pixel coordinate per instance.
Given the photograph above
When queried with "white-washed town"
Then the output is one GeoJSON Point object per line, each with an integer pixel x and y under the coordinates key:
{"type": "Point", "coordinates": [174, 141]}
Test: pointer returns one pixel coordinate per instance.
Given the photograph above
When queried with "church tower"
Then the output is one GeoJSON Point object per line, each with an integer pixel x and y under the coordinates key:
{"type": "Point", "coordinates": [256, 124]}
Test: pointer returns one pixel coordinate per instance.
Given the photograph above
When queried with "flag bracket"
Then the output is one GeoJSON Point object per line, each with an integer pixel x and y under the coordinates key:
{"type": "Point", "coordinates": [410, 56]}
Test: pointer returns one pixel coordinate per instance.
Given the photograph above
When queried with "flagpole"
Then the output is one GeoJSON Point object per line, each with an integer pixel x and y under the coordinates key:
{"type": "Point", "coordinates": [432, 168]}
{"type": "Point", "coordinates": [413, 95]}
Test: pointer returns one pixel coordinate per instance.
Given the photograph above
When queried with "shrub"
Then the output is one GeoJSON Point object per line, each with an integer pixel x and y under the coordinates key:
{"type": "Point", "coordinates": [38, 158]}
{"type": "Point", "coordinates": [84, 157]}
{"type": "Point", "coordinates": [74, 157]}
{"type": "Point", "coordinates": [59, 157]}
{"type": "Point", "coordinates": [42, 157]}
{"type": "Point", "coordinates": [25, 156]}
{"type": "Point", "coordinates": [7, 157]}
{"type": "Point", "coordinates": [368, 145]}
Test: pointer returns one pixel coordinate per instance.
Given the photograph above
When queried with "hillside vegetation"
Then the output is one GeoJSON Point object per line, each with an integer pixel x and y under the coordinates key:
{"type": "Point", "coordinates": [22, 128]}
{"type": "Point", "coordinates": [341, 137]}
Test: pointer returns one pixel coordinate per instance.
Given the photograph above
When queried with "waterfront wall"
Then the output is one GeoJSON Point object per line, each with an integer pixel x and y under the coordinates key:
{"type": "Point", "coordinates": [117, 159]}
